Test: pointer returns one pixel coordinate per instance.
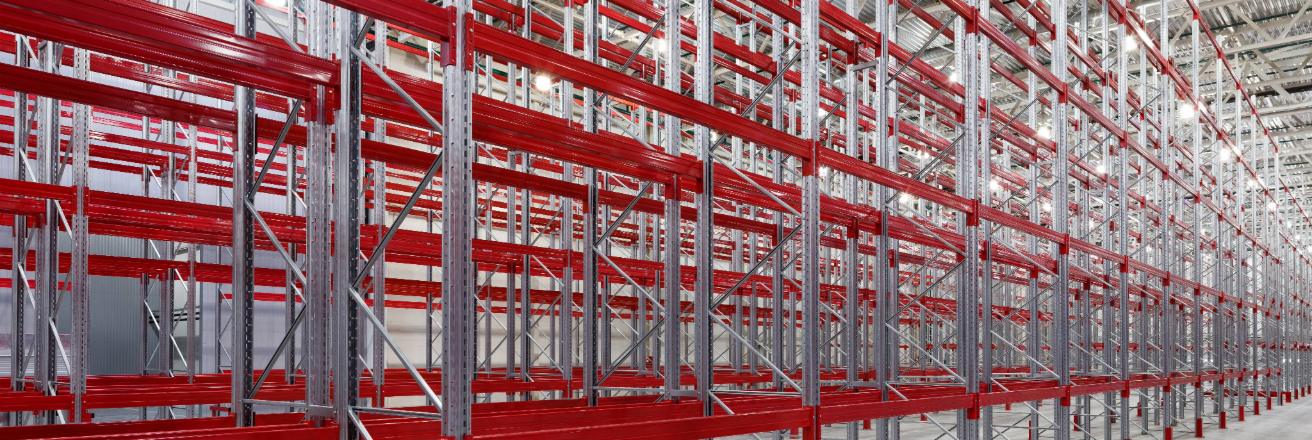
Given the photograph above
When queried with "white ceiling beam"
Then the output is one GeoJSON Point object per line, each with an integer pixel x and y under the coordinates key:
{"type": "Point", "coordinates": [1285, 110]}
{"type": "Point", "coordinates": [1302, 132]}
{"type": "Point", "coordinates": [1268, 83]}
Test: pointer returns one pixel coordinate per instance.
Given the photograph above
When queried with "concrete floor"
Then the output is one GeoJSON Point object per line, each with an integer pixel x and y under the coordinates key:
{"type": "Point", "coordinates": [1291, 421]}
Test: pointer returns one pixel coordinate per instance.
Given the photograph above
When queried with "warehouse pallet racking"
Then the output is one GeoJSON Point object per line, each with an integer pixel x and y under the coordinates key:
{"type": "Point", "coordinates": [811, 225]}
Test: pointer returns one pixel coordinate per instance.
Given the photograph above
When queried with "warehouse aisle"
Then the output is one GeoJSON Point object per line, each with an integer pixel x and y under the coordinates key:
{"type": "Point", "coordinates": [1292, 421]}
